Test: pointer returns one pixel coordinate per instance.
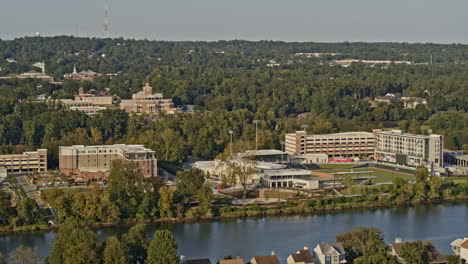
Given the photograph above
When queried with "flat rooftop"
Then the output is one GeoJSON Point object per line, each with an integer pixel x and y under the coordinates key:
{"type": "Point", "coordinates": [287, 172]}
{"type": "Point", "coordinates": [354, 133]}
{"type": "Point", "coordinates": [129, 148]}
{"type": "Point", "coordinates": [263, 152]}
{"type": "Point", "coordinates": [400, 133]}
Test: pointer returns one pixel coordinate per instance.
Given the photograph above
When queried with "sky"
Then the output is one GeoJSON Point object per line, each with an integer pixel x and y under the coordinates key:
{"type": "Point", "coordinates": [439, 21]}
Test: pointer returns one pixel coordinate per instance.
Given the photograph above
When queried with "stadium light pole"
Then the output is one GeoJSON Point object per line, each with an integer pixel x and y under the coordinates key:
{"type": "Point", "coordinates": [282, 149]}
{"type": "Point", "coordinates": [230, 133]}
{"type": "Point", "coordinates": [256, 133]}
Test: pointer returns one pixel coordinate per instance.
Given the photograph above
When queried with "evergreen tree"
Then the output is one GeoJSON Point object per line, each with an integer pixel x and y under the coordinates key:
{"type": "Point", "coordinates": [162, 249]}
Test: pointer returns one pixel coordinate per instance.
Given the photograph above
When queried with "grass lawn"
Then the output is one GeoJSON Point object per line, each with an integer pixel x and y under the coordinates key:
{"type": "Point", "coordinates": [456, 180]}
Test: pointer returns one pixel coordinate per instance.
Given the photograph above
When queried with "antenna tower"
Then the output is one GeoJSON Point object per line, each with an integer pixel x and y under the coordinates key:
{"type": "Point", "coordinates": [105, 32]}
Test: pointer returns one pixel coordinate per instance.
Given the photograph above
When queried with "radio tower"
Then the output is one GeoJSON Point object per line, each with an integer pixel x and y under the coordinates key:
{"type": "Point", "coordinates": [105, 32]}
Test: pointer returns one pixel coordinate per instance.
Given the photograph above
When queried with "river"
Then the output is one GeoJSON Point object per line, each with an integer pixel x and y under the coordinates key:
{"type": "Point", "coordinates": [247, 237]}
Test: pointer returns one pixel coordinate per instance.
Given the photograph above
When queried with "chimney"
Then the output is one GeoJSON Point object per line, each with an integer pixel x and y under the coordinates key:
{"type": "Point", "coordinates": [273, 253]}
{"type": "Point", "coordinates": [398, 240]}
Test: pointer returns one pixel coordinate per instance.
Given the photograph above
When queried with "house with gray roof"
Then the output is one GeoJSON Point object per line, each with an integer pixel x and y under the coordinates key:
{"type": "Point", "coordinates": [329, 253]}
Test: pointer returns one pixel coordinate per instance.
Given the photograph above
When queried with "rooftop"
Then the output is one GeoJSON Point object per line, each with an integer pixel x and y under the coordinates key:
{"type": "Point", "coordinates": [232, 261]}
{"type": "Point", "coordinates": [128, 148]}
{"type": "Point", "coordinates": [303, 256]}
{"type": "Point", "coordinates": [287, 172]}
{"type": "Point", "coordinates": [267, 259]}
{"type": "Point", "coordinates": [264, 152]}
{"type": "Point", "coordinates": [354, 133]}
{"type": "Point", "coordinates": [401, 133]}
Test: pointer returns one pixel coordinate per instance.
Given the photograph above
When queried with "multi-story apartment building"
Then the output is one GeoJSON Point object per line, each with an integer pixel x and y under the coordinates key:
{"type": "Point", "coordinates": [409, 149]}
{"type": "Point", "coordinates": [147, 102]}
{"type": "Point", "coordinates": [348, 144]}
{"type": "Point", "coordinates": [94, 162]}
{"type": "Point", "coordinates": [28, 162]}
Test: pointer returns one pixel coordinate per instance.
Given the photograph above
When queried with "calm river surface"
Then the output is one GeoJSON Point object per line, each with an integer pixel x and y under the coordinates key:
{"type": "Point", "coordinates": [247, 237]}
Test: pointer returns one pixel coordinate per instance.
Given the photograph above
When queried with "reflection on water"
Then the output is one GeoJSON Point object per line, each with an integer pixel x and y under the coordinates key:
{"type": "Point", "coordinates": [247, 237]}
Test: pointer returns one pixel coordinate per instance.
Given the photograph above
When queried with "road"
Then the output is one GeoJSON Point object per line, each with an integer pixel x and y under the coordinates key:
{"type": "Point", "coordinates": [30, 189]}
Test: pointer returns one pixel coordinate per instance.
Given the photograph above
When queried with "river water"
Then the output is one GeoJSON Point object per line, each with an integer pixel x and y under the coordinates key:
{"type": "Point", "coordinates": [441, 223]}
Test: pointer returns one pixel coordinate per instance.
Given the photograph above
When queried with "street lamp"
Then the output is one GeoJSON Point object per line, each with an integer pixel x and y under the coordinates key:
{"type": "Point", "coordinates": [230, 133]}
{"type": "Point", "coordinates": [256, 133]}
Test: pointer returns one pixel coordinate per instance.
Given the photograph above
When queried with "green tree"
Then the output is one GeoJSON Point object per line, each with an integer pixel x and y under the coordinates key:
{"type": "Point", "coordinates": [28, 211]}
{"type": "Point", "coordinates": [166, 201]}
{"type": "Point", "coordinates": [24, 255]}
{"type": "Point", "coordinates": [205, 198]}
{"type": "Point", "coordinates": [435, 183]}
{"type": "Point", "coordinates": [114, 251]}
{"type": "Point", "coordinates": [74, 244]}
{"type": "Point", "coordinates": [189, 182]}
{"type": "Point", "coordinates": [137, 241]}
{"type": "Point", "coordinates": [379, 258]}
{"type": "Point", "coordinates": [125, 187]}
{"type": "Point", "coordinates": [362, 241]}
{"type": "Point", "coordinates": [421, 173]}
{"type": "Point", "coordinates": [162, 249]}
{"type": "Point", "coordinates": [5, 203]}
{"type": "Point", "coordinates": [414, 252]}
{"type": "Point", "coordinates": [239, 172]}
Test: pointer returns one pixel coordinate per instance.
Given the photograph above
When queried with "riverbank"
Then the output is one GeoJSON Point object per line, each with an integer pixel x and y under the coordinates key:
{"type": "Point", "coordinates": [302, 207]}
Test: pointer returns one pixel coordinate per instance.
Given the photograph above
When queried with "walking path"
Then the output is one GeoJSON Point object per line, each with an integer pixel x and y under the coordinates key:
{"type": "Point", "coordinates": [30, 189]}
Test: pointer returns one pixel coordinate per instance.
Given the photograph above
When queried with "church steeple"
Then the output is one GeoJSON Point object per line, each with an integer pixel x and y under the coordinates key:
{"type": "Point", "coordinates": [74, 69]}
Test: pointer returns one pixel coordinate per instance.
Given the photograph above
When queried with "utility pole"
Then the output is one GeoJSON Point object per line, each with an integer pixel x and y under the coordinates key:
{"type": "Point", "coordinates": [256, 134]}
{"type": "Point", "coordinates": [230, 133]}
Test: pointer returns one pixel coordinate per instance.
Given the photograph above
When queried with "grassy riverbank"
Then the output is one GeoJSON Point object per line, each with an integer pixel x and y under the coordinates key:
{"type": "Point", "coordinates": [255, 210]}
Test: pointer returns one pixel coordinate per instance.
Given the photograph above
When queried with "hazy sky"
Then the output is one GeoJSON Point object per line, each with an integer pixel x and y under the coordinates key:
{"type": "Point", "coordinates": [442, 21]}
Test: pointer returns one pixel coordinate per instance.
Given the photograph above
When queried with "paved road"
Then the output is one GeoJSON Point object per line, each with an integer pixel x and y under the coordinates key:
{"type": "Point", "coordinates": [30, 189]}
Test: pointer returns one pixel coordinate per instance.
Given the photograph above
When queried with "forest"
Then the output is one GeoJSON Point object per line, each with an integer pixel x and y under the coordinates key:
{"type": "Point", "coordinates": [230, 84]}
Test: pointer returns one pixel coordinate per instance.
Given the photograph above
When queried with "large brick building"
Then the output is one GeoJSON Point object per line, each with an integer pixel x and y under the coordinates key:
{"type": "Point", "coordinates": [94, 162]}
{"type": "Point", "coordinates": [147, 102]}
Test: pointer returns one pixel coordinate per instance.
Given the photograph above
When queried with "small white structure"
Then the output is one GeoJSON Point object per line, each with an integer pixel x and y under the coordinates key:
{"type": "Point", "coordinates": [289, 178]}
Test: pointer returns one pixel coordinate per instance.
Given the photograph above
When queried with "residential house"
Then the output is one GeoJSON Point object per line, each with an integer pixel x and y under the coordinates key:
{"type": "Point", "coordinates": [197, 261]}
{"type": "Point", "coordinates": [273, 259]}
{"type": "Point", "coordinates": [460, 248]}
{"type": "Point", "coordinates": [301, 257]}
{"type": "Point", "coordinates": [231, 261]}
{"type": "Point", "coordinates": [329, 253]}
{"type": "Point", "coordinates": [434, 256]}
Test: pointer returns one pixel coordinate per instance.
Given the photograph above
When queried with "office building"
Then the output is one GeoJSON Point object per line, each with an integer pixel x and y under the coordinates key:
{"type": "Point", "coordinates": [147, 102]}
{"type": "Point", "coordinates": [28, 162]}
{"type": "Point", "coordinates": [348, 144]}
{"type": "Point", "coordinates": [409, 149]}
{"type": "Point", "coordinates": [94, 162]}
